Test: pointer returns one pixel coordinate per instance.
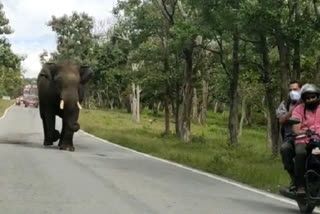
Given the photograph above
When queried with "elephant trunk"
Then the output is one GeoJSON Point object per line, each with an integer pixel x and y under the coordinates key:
{"type": "Point", "coordinates": [70, 106]}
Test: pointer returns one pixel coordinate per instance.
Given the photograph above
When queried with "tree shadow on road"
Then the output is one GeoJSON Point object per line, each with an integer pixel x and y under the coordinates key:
{"type": "Point", "coordinates": [26, 143]}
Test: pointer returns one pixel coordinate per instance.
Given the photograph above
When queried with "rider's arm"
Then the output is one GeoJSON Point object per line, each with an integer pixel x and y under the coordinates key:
{"type": "Point", "coordinates": [285, 117]}
{"type": "Point", "coordinates": [282, 113]}
{"type": "Point", "coordinates": [297, 129]}
{"type": "Point", "coordinates": [298, 113]}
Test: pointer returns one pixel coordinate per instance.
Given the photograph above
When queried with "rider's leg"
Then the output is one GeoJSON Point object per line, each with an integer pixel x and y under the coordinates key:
{"type": "Point", "coordinates": [287, 154]}
{"type": "Point", "coordinates": [300, 160]}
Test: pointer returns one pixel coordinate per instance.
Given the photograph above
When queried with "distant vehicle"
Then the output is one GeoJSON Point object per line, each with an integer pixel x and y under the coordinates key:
{"type": "Point", "coordinates": [19, 100]}
{"type": "Point", "coordinates": [30, 96]}
{"type": "Point", "coordinates": [31, 100]}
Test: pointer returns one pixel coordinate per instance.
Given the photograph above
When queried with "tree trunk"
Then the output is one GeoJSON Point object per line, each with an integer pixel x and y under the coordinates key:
{"type": "Point", "coordinates": [284, 65]}
{"type": "Point", "coordinates": [167, 90]}
{"type": "Point", "coordinates": [296, 59]}
{"type": "Point", "coordinates": [155, 109]}
{"type": "Point", "coordinates": [317, 74]}
{"type": "Point", "coordinates": [167, 111]}
{"type": "Point", "coordinates": [128, 103]}
{"type": "Point", "coordinates": [204, 106]}
{"type": "Point", "coordinates": [111, 104]}
{"type": "Point", "coordinates": [195, 106]}
{"type": "Point", "coordinates": [249, 115]}
{"type": "Point", "coordinates": [243, 114]}
{"type": "Point", "coordinates": [177, 112]}
{"type": "Point", "coordinates": [99, 96]}
{"type": "Point", "coordinates": [268, 134]}
{"type": "Point", "coordinates": [121, 104]}
{"type": "Point", "coordinates": [138, 104]}
{"type": "Point", "coordinates": [296, 43]}
{"type": "Point", "coordinates": [234, 80]}
{"type": "Point", "coordinates": [269, 95]}
{"type": "Point", "coordinates": [216, 105]}
{"type": "Point", "coordinates": [134, 103]}
{"type": "Point", "coordinates": [185, 132]}
{"type": "Point", "coordinates": [223, 109]}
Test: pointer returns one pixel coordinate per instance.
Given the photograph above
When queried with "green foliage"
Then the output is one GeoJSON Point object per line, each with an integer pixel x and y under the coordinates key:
{"type": "Point", "coordinates": [4, 22]}
{"type": "Point", "coordinates": [74, 37]}
{"type": "Point", "coordinates": [10, 63]}
{"type": "Point", "coordinates": [4, 105]}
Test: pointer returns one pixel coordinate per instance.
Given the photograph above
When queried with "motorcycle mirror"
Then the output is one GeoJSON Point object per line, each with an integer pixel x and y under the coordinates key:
{"type": "Point", "coordinates": [294, 120]}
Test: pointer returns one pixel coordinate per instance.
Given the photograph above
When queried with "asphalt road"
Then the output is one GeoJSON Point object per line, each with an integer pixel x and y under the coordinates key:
{"type": "Point", "coordinates": [103, 178]}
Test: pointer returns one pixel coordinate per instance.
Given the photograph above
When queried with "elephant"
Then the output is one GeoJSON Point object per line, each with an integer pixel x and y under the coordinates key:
{"type": "Point", "coordinates": [60, 92]}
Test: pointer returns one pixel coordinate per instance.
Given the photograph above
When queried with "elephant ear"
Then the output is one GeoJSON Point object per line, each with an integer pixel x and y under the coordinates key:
{"type": "Point", "coordinates": [49, 70]}
{"type": "Point", "coordinates": [86, 74]}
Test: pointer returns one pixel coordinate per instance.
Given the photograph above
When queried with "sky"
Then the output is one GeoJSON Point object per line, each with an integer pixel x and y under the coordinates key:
{"type": "Point", "coordinates": [31, 35]}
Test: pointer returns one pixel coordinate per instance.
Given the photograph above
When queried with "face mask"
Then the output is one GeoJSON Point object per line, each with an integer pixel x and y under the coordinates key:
{"type": "Point", "coordinates": [294, 95]}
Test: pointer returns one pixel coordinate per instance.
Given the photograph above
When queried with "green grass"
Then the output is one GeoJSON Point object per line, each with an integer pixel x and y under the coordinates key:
{"type": "Point", "coordinates": [249, 162]}
{"type": "Point", "coordinates": [3, 105]}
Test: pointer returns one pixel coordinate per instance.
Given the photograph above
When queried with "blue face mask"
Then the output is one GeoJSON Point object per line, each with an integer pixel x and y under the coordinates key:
{"type": "Point", "coordinates": [295, 95]}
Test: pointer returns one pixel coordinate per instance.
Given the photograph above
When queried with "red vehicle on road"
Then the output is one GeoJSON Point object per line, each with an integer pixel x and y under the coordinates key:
{"type": "Point", "coordinates": [31, 100]}
{"type": "Point", "coordinates": [30, 96]}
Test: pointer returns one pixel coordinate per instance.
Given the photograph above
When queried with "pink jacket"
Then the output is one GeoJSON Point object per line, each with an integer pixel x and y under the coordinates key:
{"type": "Point", "coordinates": [309, 120]}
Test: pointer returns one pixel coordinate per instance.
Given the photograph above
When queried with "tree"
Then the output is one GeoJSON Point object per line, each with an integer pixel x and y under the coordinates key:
{"type": "Point", "coordinates": [10, 63]}
{"type": "Point", "coordinates": [74, 37]}
{"type": "Point", "coordinates": [4, 22]}
{"type": "Point", "coordinates": [221, 22]}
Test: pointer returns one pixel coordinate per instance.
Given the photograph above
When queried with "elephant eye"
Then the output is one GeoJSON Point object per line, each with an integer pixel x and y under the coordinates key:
{"type": "Point", "coordinates": [58, 85]}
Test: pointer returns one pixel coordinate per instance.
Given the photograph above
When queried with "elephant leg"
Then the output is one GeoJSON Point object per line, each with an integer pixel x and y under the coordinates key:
{"type": "Point", "coordinates": [62, 135]}
{"type": "Point", "coordinates": [66, 140]}
{"type": "Point", "coordinates": [66, 143]}
{"type": "Point", "coordinates": [44, 124]}
{"type": "Point", "coordinates": [51, 134]}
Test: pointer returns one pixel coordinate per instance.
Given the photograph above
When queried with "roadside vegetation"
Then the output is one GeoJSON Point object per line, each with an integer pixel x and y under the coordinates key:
{"type": "Point", "coordinates": [4, 105]}
{"type": "Point", "coordinates": [250, 161]}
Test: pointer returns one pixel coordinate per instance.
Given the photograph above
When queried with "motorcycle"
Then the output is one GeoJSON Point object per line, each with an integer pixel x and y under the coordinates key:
{"type": "Point", "coordinates": [308, 202]}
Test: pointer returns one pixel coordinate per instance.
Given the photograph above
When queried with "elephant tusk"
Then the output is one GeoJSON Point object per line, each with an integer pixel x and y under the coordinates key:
{"type": "Point", "coordinates": [79, 106]}
{"type": "Point", "coordinates": [61, 104]}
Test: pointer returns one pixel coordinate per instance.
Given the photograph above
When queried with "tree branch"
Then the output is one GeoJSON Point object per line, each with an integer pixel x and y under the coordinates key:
{"type": "Point", "coordinates": [164, 10]}
{"type": "Point", "coordinates": [224, 66]}
{"type": "Point", "coordinates": [248, 40]}
{"type": "Point", "coordinates": [208, 49]}
{"type": "Point", "coordinates": [316, 10]}
{"type": "Point", "coordinates": [253, 63]}
{"type": "Point", "coordinates": [184, 14]}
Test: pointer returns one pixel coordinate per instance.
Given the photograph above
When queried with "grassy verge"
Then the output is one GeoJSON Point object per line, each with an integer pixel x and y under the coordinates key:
{"type": "Point", "coordinates": [3, 105]}
{"type": "Point", "coordinates": [249, 162]}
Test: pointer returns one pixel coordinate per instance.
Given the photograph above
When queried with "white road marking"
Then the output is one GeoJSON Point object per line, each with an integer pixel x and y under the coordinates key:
{"type": "Point", "coordinates": [6, 111]}
{"type": "Point", "coordinates": [219, 178]}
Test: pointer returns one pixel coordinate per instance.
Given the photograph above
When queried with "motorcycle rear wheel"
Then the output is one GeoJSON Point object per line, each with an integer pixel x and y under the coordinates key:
{"type": "Point", "coordinates": [305, 207]}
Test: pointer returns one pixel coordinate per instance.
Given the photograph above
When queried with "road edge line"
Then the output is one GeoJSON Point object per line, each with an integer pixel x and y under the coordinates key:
{"type": "Point", "coordinates": [6, 111]}
{"type": "Point", "coordinates": [216, 177]}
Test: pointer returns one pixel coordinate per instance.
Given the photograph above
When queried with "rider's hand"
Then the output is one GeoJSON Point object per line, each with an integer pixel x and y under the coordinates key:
{"type": "Point", "coordinates": [309, 133]}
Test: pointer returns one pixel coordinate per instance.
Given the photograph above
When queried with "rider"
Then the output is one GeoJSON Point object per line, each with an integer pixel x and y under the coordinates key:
{"type": "Point", "coordinates": [309, 114]}
{"type": "Point", "coordinates": [284, 112]}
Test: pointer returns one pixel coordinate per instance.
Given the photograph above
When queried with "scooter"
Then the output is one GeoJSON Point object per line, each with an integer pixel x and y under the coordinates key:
{"type": "Point", "coordinates": [308, 202]}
